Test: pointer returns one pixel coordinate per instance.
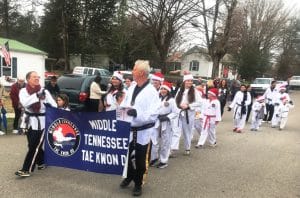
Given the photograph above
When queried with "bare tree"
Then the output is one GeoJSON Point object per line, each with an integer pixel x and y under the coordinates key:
{"type": "Point", "coordinates": [164, 19]}
{"type": "Point", "coordinates": [266, 20]}
{"type": "Point", "coordinates": [217, 24]}
{"type": "Point", "coordinates": [263, 24]}
{"type": "Point", "coordinates": [288, 61]}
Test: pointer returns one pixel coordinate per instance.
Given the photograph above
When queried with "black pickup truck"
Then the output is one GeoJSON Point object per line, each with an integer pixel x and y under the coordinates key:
{"type": "Point", "coordinates": [77, 88]}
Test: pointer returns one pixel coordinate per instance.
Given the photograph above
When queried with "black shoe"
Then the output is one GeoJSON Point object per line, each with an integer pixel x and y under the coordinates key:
{"type": "Point", "coordinates": [137, 191]}
{"type": "Point", "coordinates": [162, 165]}
{"type": "Point", "coordinates": [22, 173]}
{"type": "Point", "coordinates": [42, 167]}
{"type": "Point", "coordinates": [153, 162]}
{"type": "Point", "coordinates": [125, 183]}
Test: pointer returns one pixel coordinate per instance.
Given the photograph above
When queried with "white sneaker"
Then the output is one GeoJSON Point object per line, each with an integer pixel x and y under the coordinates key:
{"type": "Point", "coordinates": [2, 133]}
{"type": "Point", "coordinates": [15, 131]}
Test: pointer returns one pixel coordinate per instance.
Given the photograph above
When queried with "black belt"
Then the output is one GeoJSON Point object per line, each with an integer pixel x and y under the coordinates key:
{"type": "Point", "coordinates": [163, 115]}
{"type": "Point", "coordinates": [186, 115]}
{"type": "Point", "coordinates": [35, 114]}
{"type": "Point", "coordinates": [37, 117]}
{"type": "Point", "coordinates": [140, 128]}
{"type": "Point", "coordinates": [134, 139]}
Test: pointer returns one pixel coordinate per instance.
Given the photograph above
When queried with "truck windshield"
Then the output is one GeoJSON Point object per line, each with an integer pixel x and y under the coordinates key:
{"type": "Point", "coordinates": [261, 81]}
{"type": "Point", "coordinates": [296, 78]}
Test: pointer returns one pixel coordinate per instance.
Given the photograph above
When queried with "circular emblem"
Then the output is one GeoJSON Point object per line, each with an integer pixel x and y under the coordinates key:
{"type": "Point", "coordinates": [63, 137]}
{"type": "Point", "coordinates": [167, 104]}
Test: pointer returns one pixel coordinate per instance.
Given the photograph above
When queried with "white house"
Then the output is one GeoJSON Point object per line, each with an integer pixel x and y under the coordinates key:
{"type": "Point", "coordinates": [197, 61]}
{"type": "Point", "coordinates": [24, 58]}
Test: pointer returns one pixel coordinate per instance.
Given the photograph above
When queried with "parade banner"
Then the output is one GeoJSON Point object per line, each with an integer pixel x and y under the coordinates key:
{"type": "Point", "coordinates": [95, 142]}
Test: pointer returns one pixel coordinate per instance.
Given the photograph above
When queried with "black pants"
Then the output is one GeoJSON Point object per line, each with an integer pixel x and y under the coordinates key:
{"type": "Point", "coordinates": [93, 105]}
{"type": "Point", "coordinates": [248, 112]}
{"type": "Point", "coordinates": [270, 112]}
{"type": "Point", "coordinates": [35, 154]}
{"type": "Point", "coordinates": [141, 161]}
{"type": "Point", "coordinates": [223, 103]}
{"type": "Point", "coordinates": [17, 117]}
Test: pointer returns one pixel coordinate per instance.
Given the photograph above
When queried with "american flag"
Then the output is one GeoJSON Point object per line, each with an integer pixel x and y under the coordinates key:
{"type": "Point", "coordinates": [6, 54]}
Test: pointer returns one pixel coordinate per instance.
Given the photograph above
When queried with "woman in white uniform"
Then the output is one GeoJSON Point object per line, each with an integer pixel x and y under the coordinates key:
{"type": "Point", "coordinates": [187, 100]}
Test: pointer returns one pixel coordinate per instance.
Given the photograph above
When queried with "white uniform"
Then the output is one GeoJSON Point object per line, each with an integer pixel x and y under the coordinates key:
{"type": "Point", "coordinates": [211, 113]}
{"type": "Point", "coordinates": [111, 101]}
{"type": "Point", "coordinates": [277, 102]}
{"type": "Point", "coordinates": [198, 116]}
{"type": "Point", "coordinates": [154, 136]}
{"type": "Point", "coordinates": [239, 118]}
{"type": "Point", "coordinates": [27, 100]}
{"type": "Point", "coordinates": [147, 105]}
{"type": "Point", "coordinates": [161, 150]}
{"type": "Point", "coordinates": [187, 117]}
{"type": "Point", "coordinates": [283, 112]}
{"type": "Point", "coordinates": [270, 95]}
{"type": "Point", "coordinates": [176, 133]}
{"type": "Point", "coordinates": [258, 111]}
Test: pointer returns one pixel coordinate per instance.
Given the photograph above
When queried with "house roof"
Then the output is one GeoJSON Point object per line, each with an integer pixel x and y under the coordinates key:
{"type": "Point", "coordinates": [15, 45]}
{"type": "Point", "coordinates": [200, 50]}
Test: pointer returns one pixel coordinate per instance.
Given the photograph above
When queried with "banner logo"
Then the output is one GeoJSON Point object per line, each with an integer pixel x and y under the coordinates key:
{"type": "Point", "coordinates": [63, 137]}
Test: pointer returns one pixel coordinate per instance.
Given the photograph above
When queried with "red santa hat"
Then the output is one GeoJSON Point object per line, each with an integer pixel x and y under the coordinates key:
{"type": "Point", "coordinates": [158, 76]}
{"type": "Point", "coordinates": [167, 85]}
{"type": "Point", "coordinates": [282, 87]}
{"type": "Point", "coordinates": [260, 98]}
{"type": "Point", "coordinates": [213, 91]}
{"type": "Point", "coordinates": [187, 76]}
{"type": "Point", "coordinates": [118, 75]}
{"type": "Point", "coordinates": [284, 98]}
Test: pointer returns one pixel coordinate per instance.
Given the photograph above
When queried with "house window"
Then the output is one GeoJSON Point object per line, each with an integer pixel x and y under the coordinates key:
{"type": "Point", "coordinates": [174, 66]}
{"type": "Point", "coordinates": [10, 71]}
{"type": "Point", "coordinates": [194, 65]}
{"type": "Point", "coordinates": [177, 66]}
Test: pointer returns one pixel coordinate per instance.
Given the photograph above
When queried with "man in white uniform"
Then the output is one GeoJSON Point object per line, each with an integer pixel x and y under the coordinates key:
{"type": "Point", "coordinates": [143, 103]}
{"type": "Point", "coordinates": [269, 100]}
{"type": "Point", "coordinates": [33, 98]}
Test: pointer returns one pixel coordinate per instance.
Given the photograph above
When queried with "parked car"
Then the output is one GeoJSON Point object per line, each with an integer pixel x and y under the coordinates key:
{"type": "Point", "coordinates": [48, 75]}
{"type": "Point", "coordinates": [259, 85]}
{"type": "Point", "coordinates": [91, 71]}
{"type": "Point", "coordinates": [77, 88]}
{"type": "Point", "coordinates": [294, 82]}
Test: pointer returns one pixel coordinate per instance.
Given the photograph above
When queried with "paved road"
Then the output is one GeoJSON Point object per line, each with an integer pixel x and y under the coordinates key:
{"type": "Point", "coordinates": [252, 164]}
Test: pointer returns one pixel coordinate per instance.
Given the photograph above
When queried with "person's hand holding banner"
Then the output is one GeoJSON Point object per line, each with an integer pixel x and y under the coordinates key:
{"type": "Point", "coordinates": [132, 112]}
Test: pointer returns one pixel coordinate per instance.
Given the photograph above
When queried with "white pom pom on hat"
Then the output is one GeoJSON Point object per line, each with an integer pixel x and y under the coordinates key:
{"type": "Point", "coordinates": [158, 76]}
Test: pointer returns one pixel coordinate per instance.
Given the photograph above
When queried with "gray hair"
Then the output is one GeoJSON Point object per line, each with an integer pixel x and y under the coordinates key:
{"type": "Point", "coordinates": [144, 66]}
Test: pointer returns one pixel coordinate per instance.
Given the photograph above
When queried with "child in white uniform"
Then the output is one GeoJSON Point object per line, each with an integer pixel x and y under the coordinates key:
{"type": "Point", "coordinates": [258, 111]}
{"type": "Point", "coordinates": [211, 114]}
{"type": "Point", "coordinates": [283, 112]}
